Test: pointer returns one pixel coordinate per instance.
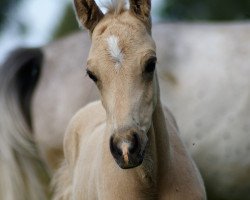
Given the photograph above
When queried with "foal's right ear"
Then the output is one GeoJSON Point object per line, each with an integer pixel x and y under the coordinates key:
{"type": "Point", "coordinates": [88, 13]}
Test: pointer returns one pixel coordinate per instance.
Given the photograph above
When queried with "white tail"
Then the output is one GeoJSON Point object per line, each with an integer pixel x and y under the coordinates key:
{"type": "Point", "coordinates": [21, 172]}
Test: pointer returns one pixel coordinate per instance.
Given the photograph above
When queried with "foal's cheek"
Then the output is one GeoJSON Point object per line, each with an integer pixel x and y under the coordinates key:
{"type": "Point", "coordinates": [147, 106]}
{"type": "Point", "coordinates": [146, 111]}
{"type": "Point", "coordinates": [149, 99]}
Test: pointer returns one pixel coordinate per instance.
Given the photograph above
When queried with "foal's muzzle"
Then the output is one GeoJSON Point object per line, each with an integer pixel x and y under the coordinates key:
{"type": "Point", "coordinates": [126, 149]}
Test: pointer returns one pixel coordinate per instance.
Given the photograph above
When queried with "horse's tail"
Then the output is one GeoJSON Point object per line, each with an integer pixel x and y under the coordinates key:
{"type": "Point", "coordinates": [21, 173]}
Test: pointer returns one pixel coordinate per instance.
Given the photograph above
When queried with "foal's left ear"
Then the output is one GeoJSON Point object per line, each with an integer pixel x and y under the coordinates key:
{"type": "Point", "coordinates": [88, 13]}
{"type": "Point", "coordinates": [141, 9]}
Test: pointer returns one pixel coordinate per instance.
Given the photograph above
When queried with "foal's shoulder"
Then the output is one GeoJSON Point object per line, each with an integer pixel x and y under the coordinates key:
{"type": "Point", "coordinates": [90, 114]}
{"type": "Point", "coordinates": [86, 119]}
{"type": "Point", "coordinates": [93, 109]}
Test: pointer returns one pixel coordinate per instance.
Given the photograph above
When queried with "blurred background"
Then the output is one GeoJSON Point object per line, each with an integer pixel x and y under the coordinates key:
{"type": "Point", "coordinates": [37, 22]}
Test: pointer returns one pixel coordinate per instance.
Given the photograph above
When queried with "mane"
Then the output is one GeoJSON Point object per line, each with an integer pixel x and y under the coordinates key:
{"type": "Point", "coordinates": [115, 7]}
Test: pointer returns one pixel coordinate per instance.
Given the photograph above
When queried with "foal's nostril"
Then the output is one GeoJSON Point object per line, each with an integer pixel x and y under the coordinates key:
{"type": "Point", "coordinates": [134, 143]}
{"type": "Point", "coordinates": [114, 148]}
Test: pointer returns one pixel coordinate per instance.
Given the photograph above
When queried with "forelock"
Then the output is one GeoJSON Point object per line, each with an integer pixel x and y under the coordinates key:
{"type": "Point", "coordinates": [115, 6]}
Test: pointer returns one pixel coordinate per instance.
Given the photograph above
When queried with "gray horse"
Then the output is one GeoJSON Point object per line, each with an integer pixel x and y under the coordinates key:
{"type": "Point", "coordinates": [203, 72]}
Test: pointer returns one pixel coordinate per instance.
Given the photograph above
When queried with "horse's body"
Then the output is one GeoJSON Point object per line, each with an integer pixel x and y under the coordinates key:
{"type": "Point", "coordinates": [204, 80]}
{"type": "Point", "coordinates": [193, 60]}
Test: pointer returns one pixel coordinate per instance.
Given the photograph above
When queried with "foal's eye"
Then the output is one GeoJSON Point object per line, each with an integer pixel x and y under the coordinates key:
{"type": "Point", "coordinates": [150, 65]}
{"type": "Point", "coordinates": [91, 75]}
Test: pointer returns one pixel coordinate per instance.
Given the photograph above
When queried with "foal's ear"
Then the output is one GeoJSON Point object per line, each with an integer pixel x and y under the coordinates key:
{"type": "Point", "coordinates": [141, 9]}
{"type": "Point", "coordinates": [88, 13]}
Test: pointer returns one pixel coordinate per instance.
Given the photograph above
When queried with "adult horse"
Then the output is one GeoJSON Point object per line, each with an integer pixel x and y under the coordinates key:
{"type": "Point", "coordinates": [123, 147]}
{"type": "Point", "coordinates": [203, 74]}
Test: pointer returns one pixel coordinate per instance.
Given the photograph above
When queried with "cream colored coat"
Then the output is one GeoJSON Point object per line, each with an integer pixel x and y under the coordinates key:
{"type": "Point", "coordinates": [90, 171]}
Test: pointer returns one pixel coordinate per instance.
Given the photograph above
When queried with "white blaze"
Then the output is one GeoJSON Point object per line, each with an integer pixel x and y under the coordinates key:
{"type": "Point", "coordinates": [114, 49]}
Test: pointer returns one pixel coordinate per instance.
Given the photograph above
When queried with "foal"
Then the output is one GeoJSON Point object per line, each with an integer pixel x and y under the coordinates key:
{"type": "Point", "coordinates": [123, 147]}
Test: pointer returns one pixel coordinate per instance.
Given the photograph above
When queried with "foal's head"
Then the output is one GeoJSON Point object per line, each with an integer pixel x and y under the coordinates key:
{"type": "Point", "coordinates": [122, 62]}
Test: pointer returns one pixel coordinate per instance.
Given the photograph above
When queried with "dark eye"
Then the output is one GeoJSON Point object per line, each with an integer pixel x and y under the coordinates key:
{"type": "Point", "coordinates": [91, 75]}
{"type": "Point", "coordinates": [150, 65]}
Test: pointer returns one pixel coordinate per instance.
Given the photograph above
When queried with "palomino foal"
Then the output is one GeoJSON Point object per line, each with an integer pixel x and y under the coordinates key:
{"type": "Point", "coordinates": [123, 147]}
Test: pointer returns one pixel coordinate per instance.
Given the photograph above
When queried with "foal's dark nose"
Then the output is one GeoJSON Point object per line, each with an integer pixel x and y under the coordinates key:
{"type": "Point", "coordinates": [126, 149]}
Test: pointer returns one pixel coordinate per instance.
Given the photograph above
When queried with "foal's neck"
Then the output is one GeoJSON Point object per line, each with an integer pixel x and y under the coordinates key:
{"type": "Point", "coordinates": [157, 157]}
{"type": "Point", "coordinates": [161, 141]}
